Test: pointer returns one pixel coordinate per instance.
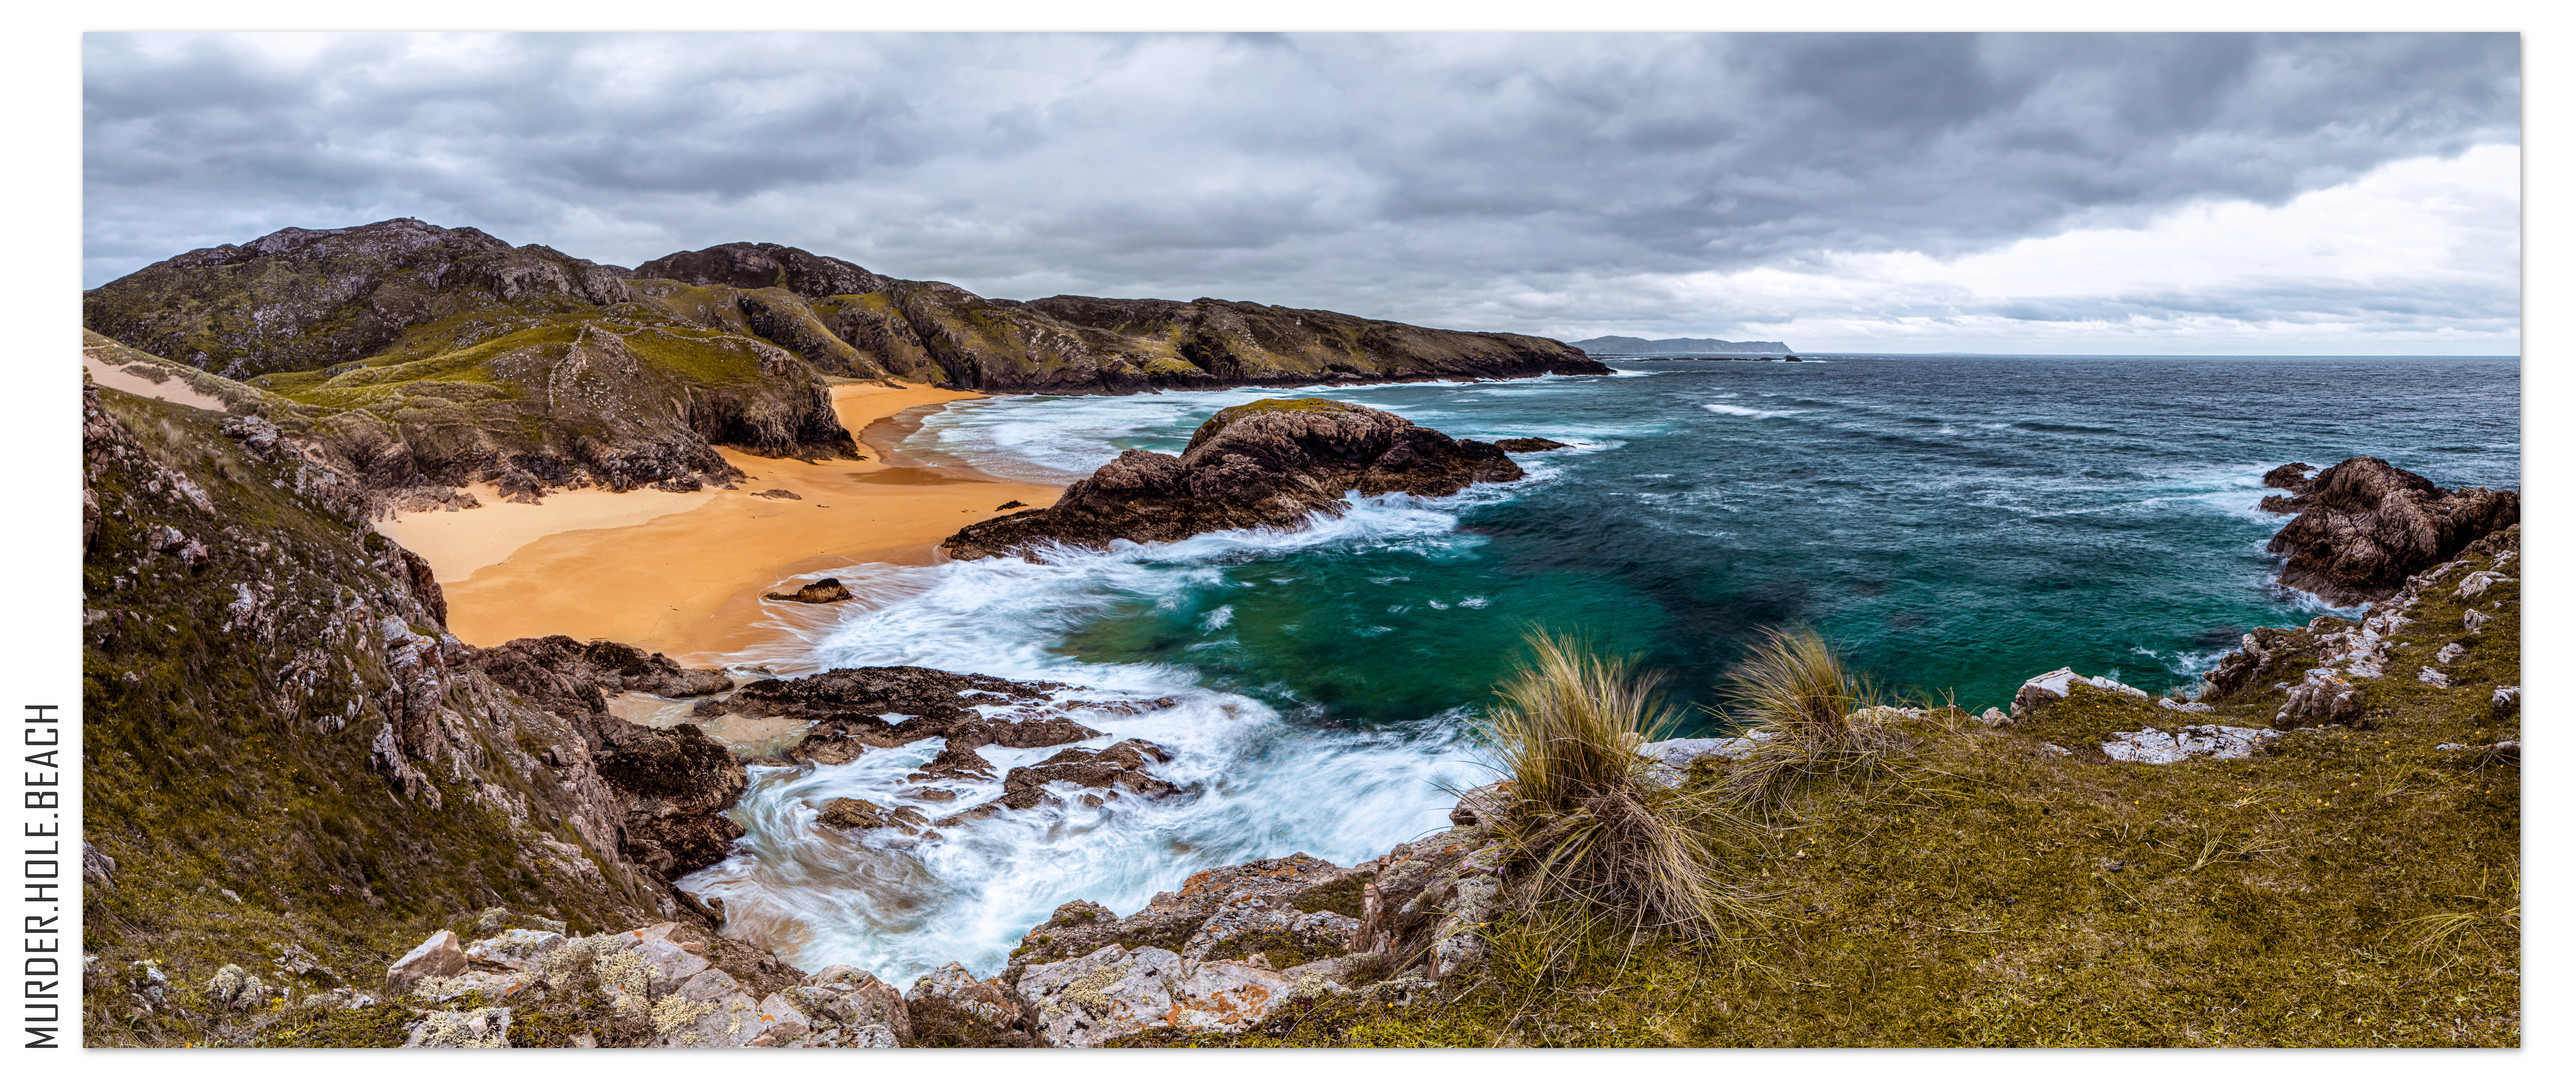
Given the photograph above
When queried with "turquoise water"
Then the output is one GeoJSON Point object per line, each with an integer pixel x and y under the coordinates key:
{"type": "Point", "coordinates": [1954, 525]}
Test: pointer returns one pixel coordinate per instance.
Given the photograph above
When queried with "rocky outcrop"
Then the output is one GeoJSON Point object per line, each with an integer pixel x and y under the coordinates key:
{"type": "Point", "coordinates": [1270, 464]}
{"type": "Point", "coordinates": [1237, 942]}
{"type": "Point", "coordinates": [676, 782]}
{"type": "Point", "coordinates": [2151, 746]}
{"type": "Point", "coordinates": [2057, 684]}
{"type": "Point", "coordinates": [821, 591]}
{"type": "Point", "coordinates": [764, 266]}
{"type": "Point", "coordinates": [2316, 669]}
{"type": "Point", "coordinates": [2364, 527]}
{"type": "Point", "coordinates": [1527, 446]}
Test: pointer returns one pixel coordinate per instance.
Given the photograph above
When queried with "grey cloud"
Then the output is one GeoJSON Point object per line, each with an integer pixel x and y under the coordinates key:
{"type": "Point", "coordinates": [1440, 178]}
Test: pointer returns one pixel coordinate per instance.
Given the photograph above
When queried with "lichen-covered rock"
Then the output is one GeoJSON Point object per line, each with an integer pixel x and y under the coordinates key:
{"type": "Point", "coordinates": [1269, 464]}
{"type": "Point", "coordinates": [1112, 993]}
{"type": "Point", "coordinates": [514, 950]}
{"type": "Point", "coordinates": [440, 955]}
{"type": "Point", "coordinates": [846, 1006]}
{"type": "Point", "coordinates": [472, 1029]}
{"type": "Point", "coordinates": [2150, 746]}
{"type": "Point", "coordinates": [2322, 697]}
{"type": "Point", "coordinates": [951, 1007]}
{"type": "Point", "coordinates": [2057, 684]}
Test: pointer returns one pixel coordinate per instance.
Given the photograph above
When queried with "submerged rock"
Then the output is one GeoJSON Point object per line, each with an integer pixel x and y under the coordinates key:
{"type": "Point", "coordinates": [1270, 464]}
{"type": "Point", "coordinates": [1527, 446]}
{"type": "Point", "coordinates": [2366, 526]}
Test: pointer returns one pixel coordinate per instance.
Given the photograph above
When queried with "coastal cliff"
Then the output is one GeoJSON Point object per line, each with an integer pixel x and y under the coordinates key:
{"type": "Point", "coordinates": [423, 357]}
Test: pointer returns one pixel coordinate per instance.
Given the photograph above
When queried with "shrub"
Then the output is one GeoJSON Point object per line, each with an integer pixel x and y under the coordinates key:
{"type": "Point", "coordinates": [1590, 819]}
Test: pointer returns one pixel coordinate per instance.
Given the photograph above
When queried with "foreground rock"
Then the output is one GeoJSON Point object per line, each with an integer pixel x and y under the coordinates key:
{"type": "Point", "coordinates": [2364, 527]}
{"type": "Point", "coordinates": [1271, 464]}
{"type": "Point", "coordinates": [2151, 746]}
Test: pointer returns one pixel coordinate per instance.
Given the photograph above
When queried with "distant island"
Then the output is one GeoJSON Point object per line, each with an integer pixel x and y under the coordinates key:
{"type": "Point", "coordinates": [1635, 346]}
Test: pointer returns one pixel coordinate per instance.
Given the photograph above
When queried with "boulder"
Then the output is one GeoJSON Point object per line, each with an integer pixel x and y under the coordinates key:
{"type": "Point", "coordinates": [951, 1006]}
{"type": "Point", "coordinates": [2322, 697]}
{"type": "Point", "coordinates": [1527, 446]}
{"type": "Point", "coordinates": [2150, 746]}
{"type": "Point", "coordinates": [846, 1006]}
{"type": "Point", "coordinates": [1112, 993]}
{"type": "Point", "coordinates": [439, 956]}
{"type": "Point", "coordinates": [821, 591]}
{"type": "Point", "coordinates": [2365, 526]}
{"type": "Point", "coordinates": [1270, 464]}
{"type": "Point", "coordinates": [2057, 684]}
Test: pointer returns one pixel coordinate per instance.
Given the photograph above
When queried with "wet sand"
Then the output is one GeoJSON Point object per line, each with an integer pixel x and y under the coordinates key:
{"type": "Point", "coordinates": [687, 580]}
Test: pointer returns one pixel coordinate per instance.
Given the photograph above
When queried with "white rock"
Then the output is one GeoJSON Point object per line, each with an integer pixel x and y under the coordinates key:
{"type": "Point", "coordinates": [2473, 619]}
{"type": "Point", "coordinates": [2184, 706]}
{"type": "Point", "coordinates": [2433, 678]}
{"type": "Point", "coordinates": [2322, 697]}
{"type": "Point", "coordinates": [2478, 582]}
{"type": "Point", "coordinates": [2450, 654]}
{"type": "Point", "coordinates": [474, 1029]}
{"type": "Point", "coordinates": [2150, 746]}
{"type": "Point", "coordinates": [2056, 684]}
{"type": "Point", "coordinates": [1681, 753]}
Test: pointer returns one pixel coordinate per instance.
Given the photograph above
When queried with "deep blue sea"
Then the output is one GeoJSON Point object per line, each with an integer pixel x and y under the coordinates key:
{"type": "Point", "coordinates": [1952, 524]}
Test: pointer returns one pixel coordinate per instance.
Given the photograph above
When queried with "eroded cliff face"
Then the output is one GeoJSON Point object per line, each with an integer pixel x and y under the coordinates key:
{"type": "Point", "coordinates": [283, 746]}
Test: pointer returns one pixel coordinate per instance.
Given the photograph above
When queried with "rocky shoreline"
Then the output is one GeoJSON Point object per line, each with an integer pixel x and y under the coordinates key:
{"type": "Point", "coordinates": [503, 774]}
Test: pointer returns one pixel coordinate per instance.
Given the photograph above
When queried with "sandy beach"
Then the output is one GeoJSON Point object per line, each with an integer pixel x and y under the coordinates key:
{"type": "Point", "coordinates": [684, 574]}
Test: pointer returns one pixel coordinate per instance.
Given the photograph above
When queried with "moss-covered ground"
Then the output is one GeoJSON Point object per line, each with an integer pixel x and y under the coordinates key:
{"type": "Point", "coordinates": [2354, 886]}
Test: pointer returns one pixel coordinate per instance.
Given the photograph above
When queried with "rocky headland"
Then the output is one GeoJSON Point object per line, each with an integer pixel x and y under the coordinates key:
{"type": "Point", "coordinates": [419, 358]}
{"type": "Point", "coordinates": [2364, 526]}
{"type": "Point", "coordinates": [1270, 464]}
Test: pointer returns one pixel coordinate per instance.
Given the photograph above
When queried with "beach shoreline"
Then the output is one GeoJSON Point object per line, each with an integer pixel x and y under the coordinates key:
{"type": "Point", "coordinates": [685, 573]}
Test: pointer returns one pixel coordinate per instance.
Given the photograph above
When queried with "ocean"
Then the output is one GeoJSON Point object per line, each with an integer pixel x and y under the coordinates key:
{"type": "Point", "coordinates": [1953, 525]}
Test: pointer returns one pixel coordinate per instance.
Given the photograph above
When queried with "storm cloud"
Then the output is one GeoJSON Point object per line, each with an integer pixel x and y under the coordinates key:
{"type": "Point", "coordinates": [1827, 188]}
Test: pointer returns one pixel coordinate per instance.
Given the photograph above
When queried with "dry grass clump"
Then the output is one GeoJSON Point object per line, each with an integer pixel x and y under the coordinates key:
{"type": "Point", "coordinates": [1814, 717]}
{"type": "Point", "coordinates": [1599, 832]}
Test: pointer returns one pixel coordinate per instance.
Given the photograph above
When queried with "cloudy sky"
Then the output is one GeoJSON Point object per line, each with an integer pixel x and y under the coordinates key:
{"type": "Point", "coordinates": [2065, 193]}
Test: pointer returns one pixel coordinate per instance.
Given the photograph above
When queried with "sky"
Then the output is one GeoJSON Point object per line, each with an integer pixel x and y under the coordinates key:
{"type": "Point", "coordinates": [2075, 193]}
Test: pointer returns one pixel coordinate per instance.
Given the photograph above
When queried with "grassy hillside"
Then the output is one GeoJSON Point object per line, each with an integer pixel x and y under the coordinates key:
{"type": "Point", "coordinates": [2356, 885]}
{"type": "Point", "coordinates": [282, 760]}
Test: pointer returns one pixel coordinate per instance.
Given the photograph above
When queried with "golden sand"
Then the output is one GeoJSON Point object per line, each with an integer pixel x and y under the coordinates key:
{"type": "Point", "coordinates": [685, 578]}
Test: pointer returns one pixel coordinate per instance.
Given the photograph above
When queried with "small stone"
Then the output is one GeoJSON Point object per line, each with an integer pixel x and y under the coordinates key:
{"type": "Point", "coordinates": [2473, 619]}
{"type": "Point", "coordinates": [2433, 678]}
{"type": "Point", "coordinates": [2450, 654]}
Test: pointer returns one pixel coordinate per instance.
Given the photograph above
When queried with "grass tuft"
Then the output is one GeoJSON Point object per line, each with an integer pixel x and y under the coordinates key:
{"type": "Point", "coordinates": [1600, 835]}
{"type": "Point", "coordinates": [1813, 716]}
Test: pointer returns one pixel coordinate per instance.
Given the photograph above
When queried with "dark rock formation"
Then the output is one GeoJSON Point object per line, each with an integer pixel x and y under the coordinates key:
{"type": "Point", "coordinates": [677, 780]}
{"type": "Point", "coordinates": [1121, 765]}
{"type": "Point", "coordinates": [855, 815]}
{"type": "Point", "coordinates": [933, 701]}
{"type": "Point", "coordinates": [566, 673]}
{"type": "Point", "coordinates": [1527, 446]}
{"type": "Point", "coordinates": [2365, 526]}
{"type": "Point", "coordinates": [821, 591]}
{"type": "Point", "coordinates": [1270, 464]}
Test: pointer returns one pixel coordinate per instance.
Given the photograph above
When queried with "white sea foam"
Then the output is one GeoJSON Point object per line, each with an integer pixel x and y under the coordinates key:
{"type": "Point", "coordinates": [1256, 785]}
